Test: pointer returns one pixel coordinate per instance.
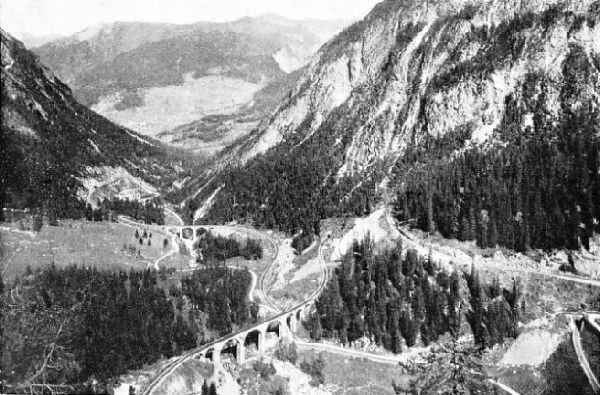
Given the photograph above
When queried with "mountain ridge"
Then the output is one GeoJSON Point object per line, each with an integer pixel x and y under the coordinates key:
{"type": "Point", "coordinates": [407, 85]}
{"type": "Point", "coordinates": [105, 48]}
{"type": "Point", "coordinates": [53, 143]}
{"type": "Point", "coordinates": [345, 65]}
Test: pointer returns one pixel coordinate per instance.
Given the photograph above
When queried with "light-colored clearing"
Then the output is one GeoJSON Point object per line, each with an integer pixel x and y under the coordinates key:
{"type": "Point", "coordinates": [531, 348]}
{"type": "Point", "coordinates": [363, 227]}
{"type": "Point", "coordinates": [93, 244]}
{"type": "Point", "coordinates": [167, 107]}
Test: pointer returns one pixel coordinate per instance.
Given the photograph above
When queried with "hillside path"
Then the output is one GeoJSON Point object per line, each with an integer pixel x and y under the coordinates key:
{"type": "Point", "coordinates": [585, 365]}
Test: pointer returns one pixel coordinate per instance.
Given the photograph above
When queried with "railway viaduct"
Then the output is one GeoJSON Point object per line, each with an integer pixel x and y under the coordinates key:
{"type": "Point", "coordinates": [284, 325]}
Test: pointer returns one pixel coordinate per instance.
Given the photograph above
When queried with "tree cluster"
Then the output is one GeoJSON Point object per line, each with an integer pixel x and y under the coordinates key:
{"type": "Point", "coordinates": [209, 389]}
{"type": "Point", "coordinates": [292, 187]}
{"type": "Point", "coordinates": [222, 294]}
{"type": "Point", "coordinates": [286, 352]}
{"type": "Point", "coordinates": [215, 248]}
{"type": "Point", "coordinates": [394, 300]}
{"type": "Point", "coordinates": [70, 325]}
{"type": "Point", "coordinates": [315, 369]}
{"type": "Point", "coordinates": [537, 192]}
{"type": "Point", "coordinates": [150, 212]}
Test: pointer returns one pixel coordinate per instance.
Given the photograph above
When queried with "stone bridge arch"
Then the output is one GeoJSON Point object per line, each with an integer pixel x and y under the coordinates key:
{"type": "Point", "coordinates": [187, 233]}
{"type": "Point", "coordinates": [234, 347]}
{"type": "Point", "coordinates": [291, 322]}
{"type": "Point", "coordinates": [209, 355]}
{"type": "Point", "coordinates": [256, 338]}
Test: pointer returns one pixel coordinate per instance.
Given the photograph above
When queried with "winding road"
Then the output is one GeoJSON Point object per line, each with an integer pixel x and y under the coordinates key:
{"type": "Point", "coordinates": [176, 362]}
{"type": "Point", "coordinates": [583, 361]}
{"type": "Point", "coordinates": [441, 256]}
{"type": "Point", "coordinates": [172, 365]}
{"type": "Point", "coordinates": [575, 332]}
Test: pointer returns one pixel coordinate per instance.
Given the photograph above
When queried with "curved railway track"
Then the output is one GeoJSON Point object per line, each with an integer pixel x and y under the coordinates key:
{"type": "Point", "coordinates": [176, 362]}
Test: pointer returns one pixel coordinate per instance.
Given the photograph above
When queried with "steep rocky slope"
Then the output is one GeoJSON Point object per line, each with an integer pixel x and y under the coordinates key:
{"type": "Point", "coordinates": [411, 83]}
{"type": "Point", "coordinates": [412, 69]}
{"type": "Point", "coordinates": [51, 142]}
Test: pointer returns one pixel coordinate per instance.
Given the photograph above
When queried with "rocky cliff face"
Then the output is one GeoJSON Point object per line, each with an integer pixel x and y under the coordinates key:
{"type": "Point", "coordinates": [413, 69]}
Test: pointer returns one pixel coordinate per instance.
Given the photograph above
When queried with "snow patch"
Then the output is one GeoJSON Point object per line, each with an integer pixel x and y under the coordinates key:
{"type": "Point", "coordinates": [92, 31]}
{"type": "Point", "coordinates": [288, 61]}
{"type": "Point", "coordinates": [40, 109]}
{"type": "Point", "coordinates": [178, 184]}
{"type": "Point", "coordinates": [95, 146]}
{"type": "Point", "coordinates": [106, 181]}
{"type": "Point", "coordinates": [483, 133]}
{"type": "Point", "coordinates": [10, 65]}
{"type": "Point", "coordinates": [139, 138]}
{"type": "Point", "coordinates": [202, 188]}
{"type": "Point", "coordinates": [202, 211]}
{"type": "Point", "coordinates": [363, 227]}
{"type": "Point", "coordinates": [532, 348]}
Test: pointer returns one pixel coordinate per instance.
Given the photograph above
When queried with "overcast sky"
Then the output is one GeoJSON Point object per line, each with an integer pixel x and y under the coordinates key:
{"type": "Point", "coordinates": [45, 17]}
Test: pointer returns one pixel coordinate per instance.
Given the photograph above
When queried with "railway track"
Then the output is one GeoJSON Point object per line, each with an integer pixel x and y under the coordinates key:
{"type": "Point", "coordinates": [176, 362]}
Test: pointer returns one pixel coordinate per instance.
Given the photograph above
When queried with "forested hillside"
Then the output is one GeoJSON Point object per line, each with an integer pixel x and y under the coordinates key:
{"type": "Point", "coordinates": [80, 327]}
{"type": "Point", "coordinates": [457, 111]}
{"type": "Point", "coordinates": [541, 190]}
{"type": "Point", "coordinates": [51, 142]}
{"type": "Point", "coordinates": [395, 302]}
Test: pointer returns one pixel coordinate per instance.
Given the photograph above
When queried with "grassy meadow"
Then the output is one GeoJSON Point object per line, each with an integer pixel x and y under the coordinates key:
{"type": "Point", "coordinates": [356, 376]}
{"type": "Point", "coordinates": [104, 245]}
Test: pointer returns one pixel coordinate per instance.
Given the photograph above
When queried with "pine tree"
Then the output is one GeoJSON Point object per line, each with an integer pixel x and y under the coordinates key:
{"type": "Point", "coordinates": [213, 389]}
{"type": "Point", "coordinates": [37, 223]}
{"type": "Point", "coordinates": [205, 388]}
{"type": "Point", "coordinates": [316, 330]}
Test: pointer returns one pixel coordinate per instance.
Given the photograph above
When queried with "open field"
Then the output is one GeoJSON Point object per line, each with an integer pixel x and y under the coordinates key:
{"type": "Point", "coordinates": [295, 292]}
{"type": "Point", "coordinates": [93, 244]}
{"type": "Point", "coordinates": [207, 137]}
{"type": "Point", "coordinates": [357, 376]}
{"type": "Point", "coordinates": [167, 107]}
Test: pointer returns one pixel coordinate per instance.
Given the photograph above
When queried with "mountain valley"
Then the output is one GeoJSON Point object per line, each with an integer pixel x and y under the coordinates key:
{"type": "Point", "coordinates": [153, 78]}
{"type": "Point", "coordinates": [408, 204]}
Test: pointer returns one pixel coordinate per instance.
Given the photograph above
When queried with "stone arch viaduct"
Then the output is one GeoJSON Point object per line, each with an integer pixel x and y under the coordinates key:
{"type": "Point", "coordinates": [284, 324]}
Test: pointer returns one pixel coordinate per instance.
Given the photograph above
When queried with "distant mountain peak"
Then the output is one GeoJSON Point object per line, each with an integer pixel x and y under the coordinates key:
{"type": "Point", "coordinates": [410, 69]}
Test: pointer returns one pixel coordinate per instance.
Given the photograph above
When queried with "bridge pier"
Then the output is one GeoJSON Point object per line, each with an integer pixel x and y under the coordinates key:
{"type": "Point", "coordinates": [240, 355]}
{"type": "Point", "coordinates": [262, 337]}
{"type": "Point", "coordinates": [284, 330]}
{"type": "Point", "coordinates": [293, 323]}
{"type": "Point", "coordinates": [217, 358]}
